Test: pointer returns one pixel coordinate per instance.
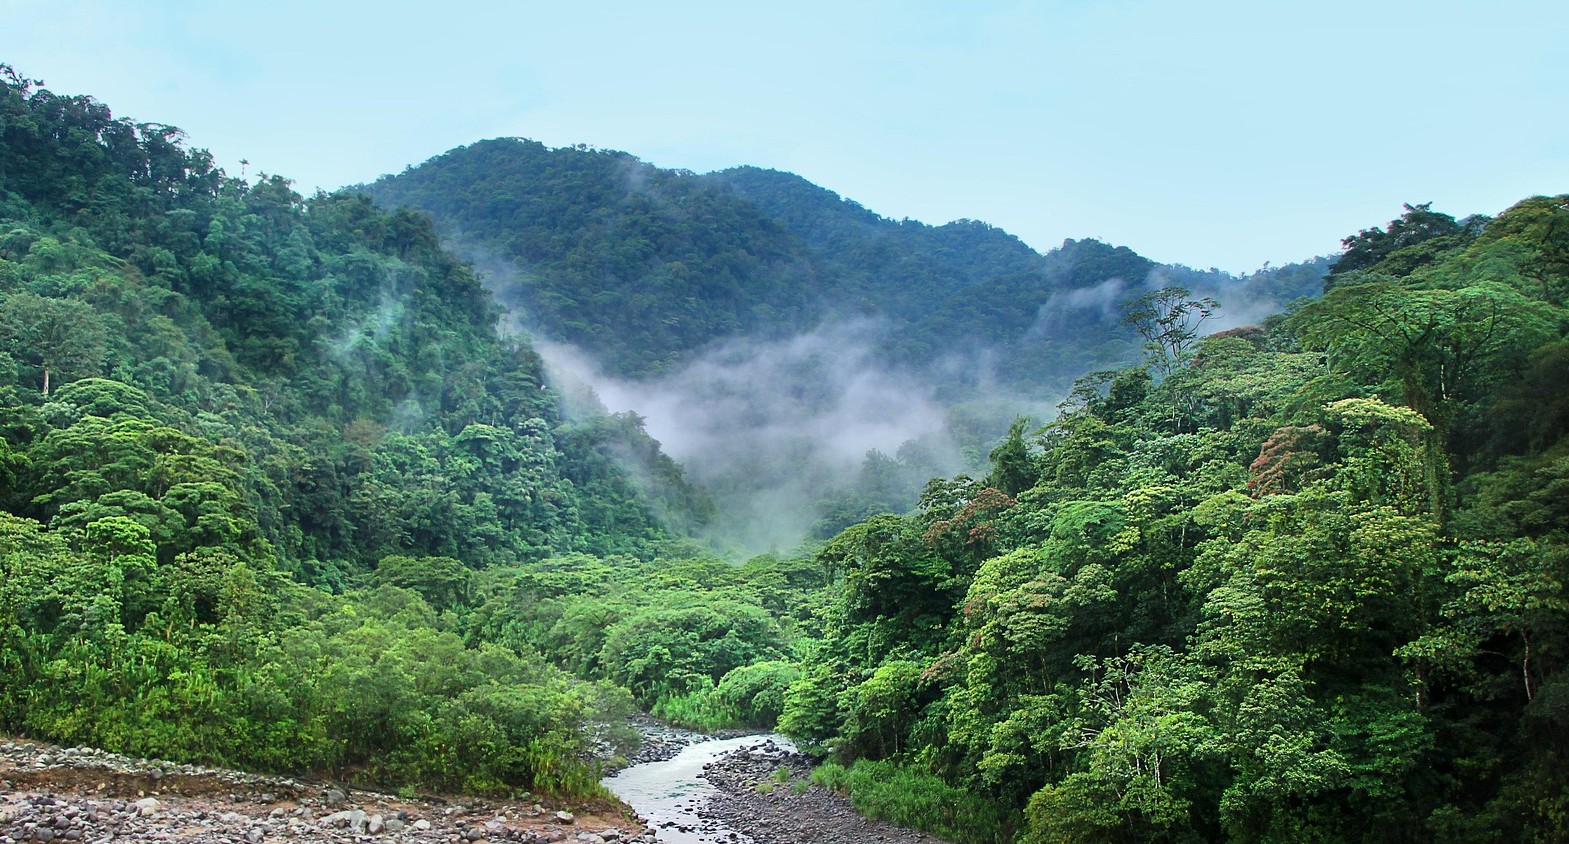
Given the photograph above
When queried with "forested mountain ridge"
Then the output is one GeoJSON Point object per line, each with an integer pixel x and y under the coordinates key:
{"type": "Point", "coordinates": [642, 267]}
{"type": "Point", "coordinates": [766, 325]}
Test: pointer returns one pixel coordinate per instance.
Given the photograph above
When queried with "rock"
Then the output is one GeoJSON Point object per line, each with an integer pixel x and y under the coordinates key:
{"type": "Point", "coordinates": [422, 825]}
{"type": "Point", "coordinates": [146, 806]}
{"type": "Point", "coordinates": [375, 824]}
{"type": "Point", "coordinates": [565, 817]}
{"type": "Point", "coordinates": [590, 838]}
{"type": "Point", "coordinates": [394, 825]}
{"type": "Point", "coordinates": [334, 797]}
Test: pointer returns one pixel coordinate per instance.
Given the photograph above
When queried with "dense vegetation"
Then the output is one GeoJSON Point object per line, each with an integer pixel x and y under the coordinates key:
{"type": "Point", "coordinates": [253, 446]}
{"type": "Point", "coordinates": [693, 288]}
{"type": "Point", "coordinates": [1298, 582]}
{"type": "Point", "coordinates": [274, 492]}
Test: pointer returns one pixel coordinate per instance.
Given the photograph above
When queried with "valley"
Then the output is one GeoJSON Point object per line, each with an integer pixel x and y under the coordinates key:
{"type": "Point", "coordinates": [431, 486]}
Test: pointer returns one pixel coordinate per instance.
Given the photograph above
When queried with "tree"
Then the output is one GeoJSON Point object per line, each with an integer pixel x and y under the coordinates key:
{"type": "Point", "coordinates": [64, 337]}
{"type": "Point", "coordinates": [1013, 469]}
{"type": "Point", "coordinates": [1168, 320]}
{"type": "Point", "coordinates": [442, 581]}
{"type": "Point", "coordinates": [1369, 247]}
{"type": "Point", "coordinates": [1435, 349]}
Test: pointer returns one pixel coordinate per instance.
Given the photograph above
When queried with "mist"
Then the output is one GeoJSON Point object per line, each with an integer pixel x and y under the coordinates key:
{"type": "Point", "coordinates": [774, 428]}
{"type": "Point", "coordinates": [795, 438]}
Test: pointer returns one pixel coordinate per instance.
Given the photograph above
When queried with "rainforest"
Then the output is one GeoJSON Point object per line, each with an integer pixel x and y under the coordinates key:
{"type": "Point", "coordinates": [324, 485]}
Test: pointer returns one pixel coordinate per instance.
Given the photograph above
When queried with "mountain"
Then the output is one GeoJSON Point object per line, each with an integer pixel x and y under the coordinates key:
{"type": "Point", "coordinates": [642, 268]}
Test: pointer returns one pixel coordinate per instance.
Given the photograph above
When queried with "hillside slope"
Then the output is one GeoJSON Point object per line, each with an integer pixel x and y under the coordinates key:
{"type": "Point", "coordinates": [642, 267]}
{"type": "Point", "coordinates": [255, 449]}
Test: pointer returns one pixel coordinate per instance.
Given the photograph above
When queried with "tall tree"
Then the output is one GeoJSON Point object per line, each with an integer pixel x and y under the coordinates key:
{"type": "Point", "coordinates": [64, 337]}
{"type": "Point", "coordinates": [1168, 320]}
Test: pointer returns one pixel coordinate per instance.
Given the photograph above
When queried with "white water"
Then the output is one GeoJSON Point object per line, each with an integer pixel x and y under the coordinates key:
{"type": "Point", "coordinates": [672, 791]}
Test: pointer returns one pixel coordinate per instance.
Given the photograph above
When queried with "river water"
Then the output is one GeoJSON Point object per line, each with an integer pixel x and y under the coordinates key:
{"type": "Point", "coordinates": [670, 793]}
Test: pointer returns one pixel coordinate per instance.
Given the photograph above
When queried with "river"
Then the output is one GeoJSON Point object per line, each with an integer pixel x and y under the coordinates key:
{"type": "Point", "coordinates": [669, 794]}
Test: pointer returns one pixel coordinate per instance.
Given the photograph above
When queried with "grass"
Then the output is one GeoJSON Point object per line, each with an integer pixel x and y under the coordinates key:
{"type": "Point", "coordinates": [699, 710]}
{"type": "Point", "coordinates": [913, 798]}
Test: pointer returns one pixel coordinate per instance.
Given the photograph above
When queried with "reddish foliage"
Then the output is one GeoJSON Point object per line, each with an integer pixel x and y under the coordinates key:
{"type": "Point", "coordinates": [1284, 457]}
{"type": "Point", "coordinates": [976, 515]}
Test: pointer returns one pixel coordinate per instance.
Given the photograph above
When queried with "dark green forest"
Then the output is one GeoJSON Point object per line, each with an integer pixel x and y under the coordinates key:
{"type": "Point", "coordinates": [644, 267]}
{"type": "Point", "coordinates": [278, 494]}
{"type": "Point", "coordinates": [662, 277]}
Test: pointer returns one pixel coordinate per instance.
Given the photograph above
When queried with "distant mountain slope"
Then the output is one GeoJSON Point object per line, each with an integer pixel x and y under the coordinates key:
{"type": "Point", "coordinates": [904, 267]}
{"type": "Point", "coordinates": [641, 267]}
{"type": "Point", "coordinates": [639, 264]}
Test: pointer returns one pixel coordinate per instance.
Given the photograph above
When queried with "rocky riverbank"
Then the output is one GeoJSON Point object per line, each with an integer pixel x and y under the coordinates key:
{"type": "Point", "coordinates": [765, 793]}
{"type": "Point", "coordinates": [661, 741]}
{"type": "Point", "coordinates": [54, 794]}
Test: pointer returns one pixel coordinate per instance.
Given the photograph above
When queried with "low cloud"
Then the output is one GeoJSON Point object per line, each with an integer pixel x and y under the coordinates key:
{"type": "Point", "coordinates": [773, 427]}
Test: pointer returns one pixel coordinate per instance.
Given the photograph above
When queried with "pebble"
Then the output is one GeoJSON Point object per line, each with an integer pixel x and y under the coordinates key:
{"type": "Point", "coordinates": [781, 815]}
{"type": "Point", "coordinates": [52, 795]}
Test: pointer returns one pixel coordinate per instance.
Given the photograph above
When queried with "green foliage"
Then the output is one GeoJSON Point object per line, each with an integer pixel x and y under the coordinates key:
{"type": "Point", "coordinates": [275, 494]}
{"type": "Point", "coordinates": [1417, 237]}
{"type": "Point", "coordinates": [223, 407]}
{"type": "Point", "coordinates": [65, 338]}
{"type": "Point", "coordinates": [914, 799]}
{"type": "Point", "coordinates": [756, 692]}
{"type": "Point", "coordinates": [659, 652]}
{"type": "Point", "coordinates": [1303, 582]}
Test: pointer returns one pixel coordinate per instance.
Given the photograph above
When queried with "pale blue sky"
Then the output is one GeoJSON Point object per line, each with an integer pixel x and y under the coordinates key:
{"type": "Point", "coordinates": [1208, 133]}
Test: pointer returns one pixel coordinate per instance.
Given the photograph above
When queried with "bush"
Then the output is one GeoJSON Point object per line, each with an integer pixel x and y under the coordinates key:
{"type": "Point", "coordinates": [697, 708]}
{"type": "Point", "coordinates": [756, 693]}
{"type": "Point", "coordinates": [908, 797]}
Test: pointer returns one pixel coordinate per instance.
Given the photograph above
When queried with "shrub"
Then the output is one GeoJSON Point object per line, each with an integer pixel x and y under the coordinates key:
{"type": "Point", "coordinates": [912, 798]}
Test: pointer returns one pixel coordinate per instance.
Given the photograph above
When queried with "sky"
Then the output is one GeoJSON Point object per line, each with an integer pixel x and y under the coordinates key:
{"type": "Point", "coordinates": [1222, 134]}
